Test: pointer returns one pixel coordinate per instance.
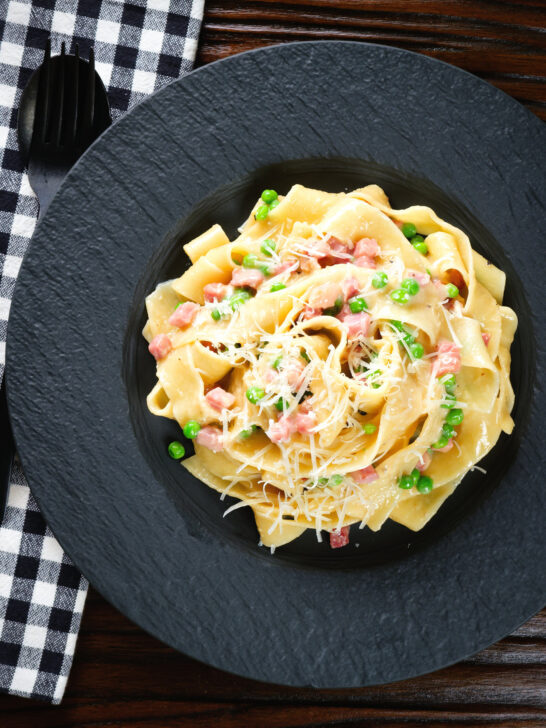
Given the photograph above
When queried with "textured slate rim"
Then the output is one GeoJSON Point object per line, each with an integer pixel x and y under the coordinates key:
{"type": "Point", "coordinates": [70, 412]}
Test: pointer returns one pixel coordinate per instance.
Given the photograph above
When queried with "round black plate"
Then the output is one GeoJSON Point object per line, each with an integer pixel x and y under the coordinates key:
{"type": "Point", "coordinates": [147, 535]}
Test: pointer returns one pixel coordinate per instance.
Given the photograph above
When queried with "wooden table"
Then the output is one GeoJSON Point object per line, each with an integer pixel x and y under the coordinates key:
{"type": "Point", "coordinates": [121, 676]}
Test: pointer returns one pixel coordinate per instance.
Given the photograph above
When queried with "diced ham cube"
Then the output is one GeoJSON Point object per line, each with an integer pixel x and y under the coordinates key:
{"type": "Point", "coordinates": [309, 312]}
{"type": "Point", "coordinates": [305, 421]}
{"type": "Point", "coordinates": [184, 314]}
{"type": "Point", "coordinates": [363, 261]}
{"type": "Point", "coordinates": [447, 448]}
{"type": "Point", "coordinates": [365, 475]}
{"type": "Point", "coordinates": [358, 324]}
{"type": "Point", "coordinates": [325, 296]}
{"type": "Point", "coordinates": [338, 250]}
{"type": "Point", "coordinates": [350, 286]}
{"type": "Point", "coordinates": [366, 247]}
{"type": "Point", "coordinates": [309, 265]}
{"type": "Point", "coordinates": [160, 346]}
{"type": "Point", "coordinates": [422, 279]}
{"type": "Point", "coordinates": [448, 359]}
{"type": "Point", "coordinates": [316, 249]}
{"type": "Point", "coordinates": [220, 399]}
{"type": "Point", "coordinates": [216, 291]}
{"type": "Point", "coordinates": [340, 538]}
{"type": "Point", "coordinates": [293, 372]}
{"type": "Point", "coordinates": [486, 337]}
{"type": "Point", "coordinates": [247, 277]}
{"type": "Point", "coordinates": [211, 437]}
{"type": "Point", "coordinates": [285, 265]}
{"type": "Point", "coordinates": [424, 461]}
{"type": "Point", "coordinates": [282, 430]}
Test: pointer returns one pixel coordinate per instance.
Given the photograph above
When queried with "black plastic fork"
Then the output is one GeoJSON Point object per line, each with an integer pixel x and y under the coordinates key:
{"type": "Point", "coordinates": [63, 110]}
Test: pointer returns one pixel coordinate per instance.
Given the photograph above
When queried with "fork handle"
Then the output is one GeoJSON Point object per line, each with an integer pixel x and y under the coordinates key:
{"type": "Point", "coordinates": [45, 181]}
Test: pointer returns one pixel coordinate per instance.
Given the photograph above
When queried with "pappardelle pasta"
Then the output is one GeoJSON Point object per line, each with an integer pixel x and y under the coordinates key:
{"type": "Point", "coordinates": [339, 362]}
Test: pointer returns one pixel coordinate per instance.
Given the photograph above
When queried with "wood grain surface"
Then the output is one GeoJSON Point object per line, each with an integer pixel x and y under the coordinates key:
{"type": "Point", "coordinates": [121, 675]}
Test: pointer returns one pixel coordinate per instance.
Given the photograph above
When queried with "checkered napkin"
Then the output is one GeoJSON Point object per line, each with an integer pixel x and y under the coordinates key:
{"type": "Point", "coordinates": [139, 46]}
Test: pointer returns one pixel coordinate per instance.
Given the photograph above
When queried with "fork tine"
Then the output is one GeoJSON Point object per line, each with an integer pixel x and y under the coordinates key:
{"type": "Point", "coordinates": [89, 103]}
{"type": "Point", "coordinates": [57, 115]}
{"type": "Point", "coordinates": [70, 106]}
{"type": "Point", "coordinates": [43, 100]}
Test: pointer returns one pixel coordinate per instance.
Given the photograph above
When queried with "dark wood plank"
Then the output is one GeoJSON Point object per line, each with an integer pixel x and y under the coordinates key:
{"type": "Point", "coordinates": [124, 677]}
{"type": "Point", "coordinates": [502, 42]}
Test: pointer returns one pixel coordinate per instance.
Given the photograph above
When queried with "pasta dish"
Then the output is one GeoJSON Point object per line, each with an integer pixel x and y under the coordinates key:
{"type": "Point", "coordinates": [339, 362]}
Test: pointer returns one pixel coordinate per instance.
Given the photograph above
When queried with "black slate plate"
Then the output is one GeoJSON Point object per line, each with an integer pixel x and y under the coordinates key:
{"type": "Point", "coordinates": [151, 538]}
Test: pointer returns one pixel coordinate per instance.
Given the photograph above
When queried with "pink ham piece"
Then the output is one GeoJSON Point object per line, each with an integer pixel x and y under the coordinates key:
{"type": "Point", "coordinates": [367, 247]}
{"type": "Point", "coordinates": [309, 265]}
{"type": "Point", "coordinates": [325, 296]}
{"type": "Point", "coordinates": [316, 249]}
{"type": "Point", "coordinates": [184, 314]}
{"type": "Point", "coordinates": [350, 287]}
{"type": "Point", "coordinates": [285, 265]}
{"type": "Point", "coordinates": [340, 538]}
{"type": "Point", "coordinates": [309, 312]}
{"type": "Point", "coordinates": [282, 430]}
{"type": "Point", "coordinates": [448, 359]}
{"type": "Point", "coordinates": [293, 371]}
{"type": "Point", "coordinates": [305, 421]}
{"type": "Point", "coordinates": [364, 262]}
{"type": "Point", "coordinates": [422, 279]}
{"type": "Point", "coordinates": [424, 461]}
{"type": "Point", "coordinates": [216, 291]}
{"type": "Point", "coordinates": [365, 475]}
{"type": "Point", "coordinates": [220, 399]}
{"type": "Point", "coordinates": [160, 346]}
{"type": "Point", "coordinates": [338, 251]}
{"type": "Point", "coordinates": [486, 338]}
{"type": "Point", "coordinates": [247, 277]}
{"type": "Point", "coordinates": [210, 437]}
{"type": "Point", "coordinates": [357, 324]}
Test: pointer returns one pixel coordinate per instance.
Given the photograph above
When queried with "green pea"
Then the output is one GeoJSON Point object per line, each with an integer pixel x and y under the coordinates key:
{"type": "Point", "coordinates": [452, 290]}
{"type": "Point", "coordinates": [255, 394]}
{"type": "Point", "coordinates": [216, 315]}
{"type": "Point", "coordinates": [268, 196]}
{"type": "Point", "coordinates": [449, 401]}
{"type": "Point", "coordinates": [335, 309]}
{"type": "Point", "coordinates": [400, 296]}
{"type": "Point", "coordinates": [380, 279]}
{"type": "Point", "coordinates": [358, 304]}
{"type": "Point", "coordinates": [281, 404]}
{"type": "Point", "coordinates": [191, 429]}
{"type": "Point", "coordinates": [369, 428]}
{"type": "Point", "coordinates": [397, 325]}
{"type": "Point", "coordinates": [304, 355]}
{"type": "Point", "coordinates": [405, 482]}
{"type": "Point", "coordinates": [425, 484]}
{"type": "Point", "coordinates": [238, 299]}
{"type": "Point", "coordinates": [417, 350]}
{"type": "Point", "coordinates": [250, 260]}
{"type": "Point", "coordinates": [454, 417]}
{"type": "Point", "coordinates": [274, 204]}
{"type": "Point", "coordinates": [268, 246]}
{"type": "Point", "coordinates": [323, 481]}
{"type": "Point", "coordinates": [376, 385]}
{"type": "Point", "coordinates": [410, 285]}
{"type": "Point", "coordinates": [441, 442]}
{"type": "Point", "coordinates": [421, 247]}
{"type": "Point", "coordinates": [409, 339]}
{"type": "Point", "coordinates": [417, 239]}
{"type": "Point", "coordinates": [176, 450]}
{"type": "Point", "coordinates": [450, 382]}
{"type": "Point", "coordinates": [262, 212]}
{"type": "Point", "coordinates": [277, 287]}
{"type": "Point", "coordinates": [409, 229]}
{"type": "Point", "coordinates": [448, 431]}
{"type": "Point", "coordinates": [336, 480]}
{"type": "Point", "coordinates": [415, 475]}
{"type": "Point", "coordinates": [245, 434]}
{"type": "Point", "coordinates": [264, 267]}
{"type": "Point", "coordinates": [277, 363]}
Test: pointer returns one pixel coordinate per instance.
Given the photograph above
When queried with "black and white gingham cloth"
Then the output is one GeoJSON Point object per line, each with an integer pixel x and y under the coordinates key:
{"type": "Point", "coordinates": [139, 46]}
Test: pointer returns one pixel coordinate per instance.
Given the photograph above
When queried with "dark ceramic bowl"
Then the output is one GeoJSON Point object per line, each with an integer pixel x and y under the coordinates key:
{"type": "Point", "coordinates": [148, 535]}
